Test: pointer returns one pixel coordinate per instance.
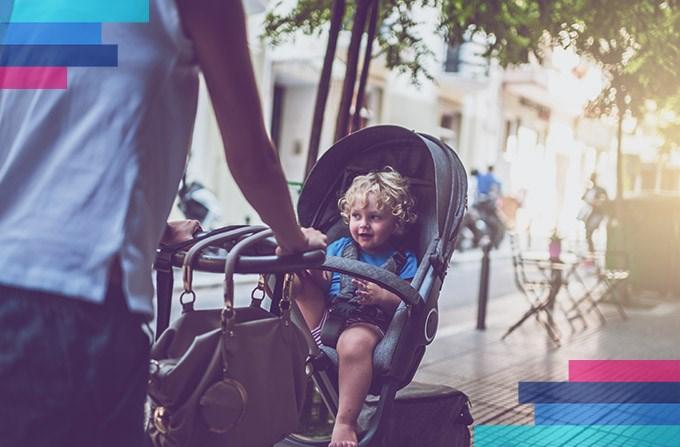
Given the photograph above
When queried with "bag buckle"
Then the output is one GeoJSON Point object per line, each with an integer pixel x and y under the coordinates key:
{"type": "Point", "coordinates": [187, 304]}
{"type": "Point", "coordinates": [227, 316]}
{"type": "Point", "coordinates": [161, 419]}
{"type": "Point", "coordinates": [258, 293]}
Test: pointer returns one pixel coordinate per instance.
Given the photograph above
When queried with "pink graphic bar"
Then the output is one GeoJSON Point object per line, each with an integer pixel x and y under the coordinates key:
{"type": "Point", "coordinates": [624, 370]}
{"type": "Point", "coordinates": [33, 78]}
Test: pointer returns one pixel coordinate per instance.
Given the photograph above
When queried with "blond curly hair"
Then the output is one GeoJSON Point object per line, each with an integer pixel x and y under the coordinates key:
{"type": "Point", "coordinates": [389, 188]}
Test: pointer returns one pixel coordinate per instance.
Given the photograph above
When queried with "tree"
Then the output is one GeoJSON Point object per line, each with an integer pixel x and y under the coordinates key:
{"type": "Point", "coordinates": [635, 42]}
{"type": "Point", "coordinates": [337, 14]}
{"type": "Point", "coordinates": [363, 7]}
{"type": "Point", "coordinates": [632, 42]}
{"type": "Point", "coordinates": [387, 23]}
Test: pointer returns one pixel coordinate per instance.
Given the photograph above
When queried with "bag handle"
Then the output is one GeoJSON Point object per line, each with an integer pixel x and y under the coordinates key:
{"type": "Point", "coordinates": [187, 265]}
{"type": "Point", "coordinates": [229, 313]}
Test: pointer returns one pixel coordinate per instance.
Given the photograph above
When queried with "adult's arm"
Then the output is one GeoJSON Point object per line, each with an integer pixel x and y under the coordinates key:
{"type": "Point", "coordinates": [218, 31]}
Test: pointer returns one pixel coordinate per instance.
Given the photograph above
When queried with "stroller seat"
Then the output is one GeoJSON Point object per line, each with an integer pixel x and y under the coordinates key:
{"type": "Point", "coordinates": [439, 184]}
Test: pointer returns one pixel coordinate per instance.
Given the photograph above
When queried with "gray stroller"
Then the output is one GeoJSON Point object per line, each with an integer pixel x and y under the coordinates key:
{"type": "Point", "coordinates": [439, 183]}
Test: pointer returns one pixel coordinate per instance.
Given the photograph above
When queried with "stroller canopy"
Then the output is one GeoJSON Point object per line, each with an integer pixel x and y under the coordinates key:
{"type": "Point", "coordinates": [437, 177]}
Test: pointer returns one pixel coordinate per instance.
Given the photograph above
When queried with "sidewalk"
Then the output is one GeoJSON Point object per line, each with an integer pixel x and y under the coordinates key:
{"type": "Point", "coordinates": [488, 369]}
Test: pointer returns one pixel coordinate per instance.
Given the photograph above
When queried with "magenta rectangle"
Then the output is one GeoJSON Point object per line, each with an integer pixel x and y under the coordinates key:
{"type": "Point", "coordinates": [33, 78]}
{"type": "Point", "coordinates": [624, 370]}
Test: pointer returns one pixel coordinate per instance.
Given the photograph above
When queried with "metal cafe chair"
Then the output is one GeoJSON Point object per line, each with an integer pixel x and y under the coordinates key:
{"type": "Point", "coordinates": [562, 274]}
{"type": "Point", "coordinates": [537, 291]}
{"type": "Point", "coordinates": [583, 297]}
{"type": "Point", "coordinates": [611, 273]}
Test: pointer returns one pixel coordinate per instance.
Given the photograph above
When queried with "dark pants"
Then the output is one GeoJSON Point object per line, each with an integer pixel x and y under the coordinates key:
{"type": "Point", "coordinates": [71, 373]}
{"type": "Point", "coordinates": [489, 214]}
{"type": "Point", "coordinates": [592, 223]}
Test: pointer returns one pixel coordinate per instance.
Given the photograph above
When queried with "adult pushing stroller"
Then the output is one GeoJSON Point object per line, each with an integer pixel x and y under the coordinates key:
{"type": "Point", "coordinates": [438, 182]}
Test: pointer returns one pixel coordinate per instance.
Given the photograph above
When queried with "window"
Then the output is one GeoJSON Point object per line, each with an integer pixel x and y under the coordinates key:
{"type": "Point", "coordinates": [450, 124]}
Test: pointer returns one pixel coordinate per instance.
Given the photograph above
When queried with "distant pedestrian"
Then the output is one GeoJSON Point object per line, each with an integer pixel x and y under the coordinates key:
{"type": "Point", "coordinates": [88, 175]}
{"type": "Point", "coordinates": [489, 190]}
{"type": "Point", "coordinates": [471, 215]}
{"type": "Point", "coordinates": [592, 213]}
{"type": "Point", "coordinates": [488, 185]}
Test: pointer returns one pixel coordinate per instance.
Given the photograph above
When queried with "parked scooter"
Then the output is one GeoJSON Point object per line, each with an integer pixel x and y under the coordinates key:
{"type": "Point", "coordinates": [495, 227]}
{"type": "Point", "coordinates": [481, 220]}
{"type": "Point", "coordinates": [198, 202]}
{"type": "Point", "coordinates": [472, 232]}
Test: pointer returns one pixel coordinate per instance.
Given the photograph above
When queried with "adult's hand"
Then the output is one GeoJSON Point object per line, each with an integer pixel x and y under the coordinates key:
{"type": "Point", "coordinates": [312, 239]}
{"type": "Point", "coordinates": [178, 231]}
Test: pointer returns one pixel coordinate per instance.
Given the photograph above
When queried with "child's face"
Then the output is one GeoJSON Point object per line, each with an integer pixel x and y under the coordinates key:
{"type": "Point", "coordinates": [369, 226]}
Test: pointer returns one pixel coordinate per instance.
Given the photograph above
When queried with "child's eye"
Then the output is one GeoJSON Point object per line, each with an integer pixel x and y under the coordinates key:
{"type": "Point", "coordinates": [376, 217]}
{"type": "Point", "coordinates": [355, 216]}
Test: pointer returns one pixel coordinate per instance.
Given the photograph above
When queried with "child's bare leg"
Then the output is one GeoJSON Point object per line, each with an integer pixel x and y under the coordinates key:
{"type": "Point", "coordinates": [355, 352]}
{"type": "Point", "coordinates": [310, 299]}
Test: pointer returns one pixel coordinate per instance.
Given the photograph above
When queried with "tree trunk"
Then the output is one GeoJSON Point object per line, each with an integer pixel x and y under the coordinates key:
{"type": "Point", "coordinates": [368, 55]}
{"type": "Point", "coordinates": [619, 156]}
{"type": "Point", "coordinates": [337, 14]}
{"type": "Point", "coordinates": [618, 201]}
{"type": "Point", "coordinates": [342, 124]}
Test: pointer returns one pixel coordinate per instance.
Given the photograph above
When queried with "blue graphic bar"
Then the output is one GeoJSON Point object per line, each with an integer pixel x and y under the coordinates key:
{"type": "Point", "coordinates": [59, 55]}
{"type": "Point", "coordinates": [599, 392]}
{"type": "Point", "coordinates": [575, 436]}
{"type": "Point", "coordinates": [607, 414]}
{"type": "Point", "coordinates": [79, 11]}
{"type": "Point", "coordinates": [50, 33]}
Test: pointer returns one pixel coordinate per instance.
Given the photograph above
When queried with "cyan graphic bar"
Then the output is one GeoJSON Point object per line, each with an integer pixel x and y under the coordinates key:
{"type": "Point", "coordinates": [607, 414]}
{"type": "Point", "coordinates": [59, 55]}
{"type": "Point", "coordinates": [79, 11]}
{"type": "Point", "coordinates": [574, 436]}
{"type": "Point", "coordinates": [599, 392]}
{"type": "Point", "coordinates": [50, 33]}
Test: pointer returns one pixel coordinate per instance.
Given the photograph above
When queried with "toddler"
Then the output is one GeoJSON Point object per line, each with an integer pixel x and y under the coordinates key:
{"type": "Point", "coordinates": [377, 208]}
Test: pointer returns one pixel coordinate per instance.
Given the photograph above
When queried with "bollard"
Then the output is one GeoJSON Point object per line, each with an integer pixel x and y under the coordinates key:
{"type": "Point", "coordinates": [483, 297]}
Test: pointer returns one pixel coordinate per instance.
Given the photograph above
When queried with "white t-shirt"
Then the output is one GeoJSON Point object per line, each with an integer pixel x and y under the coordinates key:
{"type": "Point", "coordinates": [91, 171]}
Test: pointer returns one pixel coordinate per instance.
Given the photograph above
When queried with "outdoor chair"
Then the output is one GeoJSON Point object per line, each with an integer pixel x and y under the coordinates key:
{"type": "Point", "coordinates": [536, 289]}
{"type": "Point", "coordinates": [611, 273]}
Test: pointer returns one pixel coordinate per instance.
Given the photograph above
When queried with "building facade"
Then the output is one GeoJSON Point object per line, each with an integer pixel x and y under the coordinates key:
{"type": "Point", "coordinates": [526, 121]}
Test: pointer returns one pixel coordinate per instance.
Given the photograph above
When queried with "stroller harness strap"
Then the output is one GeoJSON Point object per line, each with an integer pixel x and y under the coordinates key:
{"type": "Point", "coordinates": [345, 310]}
{"type": "Point", "coordinates": [393, 264]}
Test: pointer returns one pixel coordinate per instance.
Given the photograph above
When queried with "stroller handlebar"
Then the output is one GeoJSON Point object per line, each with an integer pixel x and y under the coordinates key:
{"type": "Point", "coordinates": [257, 264]}
{"type": "Point", "coordinates": [208, 252]}
{"type": "Point", "coordinates": [280, 264]}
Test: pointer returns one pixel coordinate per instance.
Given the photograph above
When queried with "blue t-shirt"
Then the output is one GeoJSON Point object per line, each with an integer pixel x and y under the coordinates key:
{"type": "Point", "coordinates": [408, 271]}
{"type": "Point", "coordinates": [488, 185]}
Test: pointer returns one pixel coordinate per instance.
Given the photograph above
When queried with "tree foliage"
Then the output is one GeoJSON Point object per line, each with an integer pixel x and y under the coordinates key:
{"type": "Point", "coordinates": [635, 42]}
{"type": "Point", "coordinates": [397, 36]}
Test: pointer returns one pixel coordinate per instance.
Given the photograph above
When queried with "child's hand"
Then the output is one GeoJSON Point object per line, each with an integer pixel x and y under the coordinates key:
{"type": "Point", "coordinates": [368, 293]}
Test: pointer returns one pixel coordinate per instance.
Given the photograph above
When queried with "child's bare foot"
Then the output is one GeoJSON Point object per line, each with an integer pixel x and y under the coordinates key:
{"type": "Point", "coordinates": [343, 435]}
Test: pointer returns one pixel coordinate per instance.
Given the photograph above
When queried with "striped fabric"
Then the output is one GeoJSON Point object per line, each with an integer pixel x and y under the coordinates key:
{"type": "Point", "coordinates": [316, 332]}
